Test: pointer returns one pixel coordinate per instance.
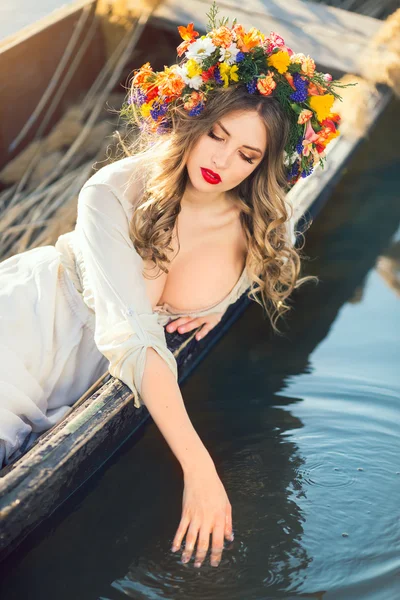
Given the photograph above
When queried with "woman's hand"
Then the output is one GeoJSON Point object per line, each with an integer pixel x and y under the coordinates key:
{"type": "Point", "coordinates": [205, 510]}
{"type": "Point", "coordinates": [184, 324]}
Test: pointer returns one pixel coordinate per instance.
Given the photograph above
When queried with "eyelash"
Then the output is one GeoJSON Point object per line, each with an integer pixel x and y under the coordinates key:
{"type": "Point", "coordinates": [246, 158]}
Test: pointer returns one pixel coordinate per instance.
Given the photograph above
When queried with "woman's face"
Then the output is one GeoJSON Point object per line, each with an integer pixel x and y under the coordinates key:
{"type": "Point", "coordinates": [231, 150]}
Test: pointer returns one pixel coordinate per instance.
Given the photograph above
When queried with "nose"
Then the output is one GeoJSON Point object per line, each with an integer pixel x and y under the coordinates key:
{"type": "Point", "coordinates": [221, 159]}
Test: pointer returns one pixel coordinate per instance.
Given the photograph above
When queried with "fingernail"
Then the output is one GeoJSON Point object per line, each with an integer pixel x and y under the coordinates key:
{"type": "Point", "coordinates": [185, 559]}
{"type": "Point", "coordinates": [174, 548]}
{"type": "Point", "coordinates": [197, 564]}
{"type": "Point", "coordinates": [232, 537]}
{"type": "Point", "coordinates": [214, 563]}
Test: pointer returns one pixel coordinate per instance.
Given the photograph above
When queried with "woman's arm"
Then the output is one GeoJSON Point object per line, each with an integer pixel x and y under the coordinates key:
{"type": "Point", "coordinates": [206, 508]}
{"type": "Point", "coordinates": [128, 333]}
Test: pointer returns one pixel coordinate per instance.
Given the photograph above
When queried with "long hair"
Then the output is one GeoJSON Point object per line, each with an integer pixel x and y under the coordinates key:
{"type": "Point", "coordinates": [272, 263]}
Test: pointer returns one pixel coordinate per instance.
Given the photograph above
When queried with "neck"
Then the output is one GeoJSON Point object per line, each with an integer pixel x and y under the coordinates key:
{"type": "Point", "coordinates": [215, 202]}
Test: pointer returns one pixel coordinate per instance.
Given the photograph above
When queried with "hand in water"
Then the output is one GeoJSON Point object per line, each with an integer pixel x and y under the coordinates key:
{"type": "Point", "coordinates": [205, 510]}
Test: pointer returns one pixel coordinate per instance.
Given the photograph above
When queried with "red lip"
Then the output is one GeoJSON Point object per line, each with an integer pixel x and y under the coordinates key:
{"type": "Point", "coordinates": [210, 176]}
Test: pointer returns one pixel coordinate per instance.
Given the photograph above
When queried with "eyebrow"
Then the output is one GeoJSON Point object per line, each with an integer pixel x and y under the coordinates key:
{"type": "Point", "coordinates": [244, 146]}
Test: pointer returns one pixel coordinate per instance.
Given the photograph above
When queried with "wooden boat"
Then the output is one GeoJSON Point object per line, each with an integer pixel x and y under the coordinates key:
{"type": "Point", "coordinates": [99, 422]}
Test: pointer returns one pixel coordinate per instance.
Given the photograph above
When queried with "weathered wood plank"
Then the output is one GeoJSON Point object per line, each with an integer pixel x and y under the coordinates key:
{"type": "Point", "coordinates": [332, 36]}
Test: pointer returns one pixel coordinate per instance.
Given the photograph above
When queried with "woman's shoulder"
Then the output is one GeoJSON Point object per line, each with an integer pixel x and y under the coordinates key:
{"type": "Point", "coordinates": [123, 177]}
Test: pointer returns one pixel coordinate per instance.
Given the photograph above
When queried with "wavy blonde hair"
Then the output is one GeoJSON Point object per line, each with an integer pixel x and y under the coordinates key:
{"type": "Point", "coordinates": [272, 263]}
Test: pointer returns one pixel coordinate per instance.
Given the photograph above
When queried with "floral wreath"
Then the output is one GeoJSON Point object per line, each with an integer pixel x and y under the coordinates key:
{"type": "Point", "coordinates": [265, 65]}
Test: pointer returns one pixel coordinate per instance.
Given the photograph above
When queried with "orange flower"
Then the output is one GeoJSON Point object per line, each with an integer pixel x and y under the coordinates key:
{"type": "Point", "coordinates": [250, 39]}
{"type": "Point", "coordinates": [222, 37]}
{"type": "Point", "coordinates": [308, 66]}
{"type": "Point", "coordinates": [315, 89]}
{"type": "Point", "coordinates": [194, 100]}
{"type": "Point", "coordinates": [240, 33]}
{"type": "Point", "coordinates": [289, 79]}
{"type": "Point", "coordinates": [266, 84]}
{"type": "Point", "coordinates": [304, 116]}
{"type": "Point", "coordinates": [140, 79]}
{"type": "Point", "coordinates": [169, 82]}
{"type": "Point", "coordinates": [326, 135]}
{"type": "Point", "coordinates": [187, 33]}
{"type": "Point", "coordinates": [183, 47]}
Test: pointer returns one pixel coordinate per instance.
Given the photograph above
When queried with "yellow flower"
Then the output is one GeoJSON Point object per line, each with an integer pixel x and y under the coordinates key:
{"type": "Point", "coordinates": [146, 108]}
{"type": "Point", "coordinates": [228, 73]}
{"type": "Point", "coordinates": [193, 68]}
{"type": "Point", "coordinates": [233, 74]}
{"type": "Point", "coordinates": [280, 60]}
{"type": "Point", "coordinates": [321, 105]}
{"type": "Point", "coordinates": [224, 69]}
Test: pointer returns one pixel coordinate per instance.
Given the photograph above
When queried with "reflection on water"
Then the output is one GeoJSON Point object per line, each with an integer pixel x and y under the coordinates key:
{"type": "Point", "coordinates": [304, 429]}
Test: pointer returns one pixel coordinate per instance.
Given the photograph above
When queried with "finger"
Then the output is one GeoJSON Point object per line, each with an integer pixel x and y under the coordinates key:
{"type": "Point", "coordinates": [191, 538]}
{"type": "Point", "coordinates": [203, 331]}
{"type": "Point", "coordinates": [189, 326]}
{"type": "Point", "coordinates": [217, 542]}
{"type": "Point", "coordinates": [228, 524]}
{"type": "Point", "coordinates": [180, 533]}
{"type": "Point", "coordinates": [202, 546]}
{"type": "Point", "coordinates": [175, 324]}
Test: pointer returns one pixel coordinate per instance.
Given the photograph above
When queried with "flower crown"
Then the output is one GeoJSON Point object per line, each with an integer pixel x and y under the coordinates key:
{"type": "Point", "coordinates": [265, 65]}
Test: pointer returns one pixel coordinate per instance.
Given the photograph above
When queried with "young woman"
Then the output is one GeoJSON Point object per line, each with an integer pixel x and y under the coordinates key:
{"type": "Point", "coordinates": [169, 236]}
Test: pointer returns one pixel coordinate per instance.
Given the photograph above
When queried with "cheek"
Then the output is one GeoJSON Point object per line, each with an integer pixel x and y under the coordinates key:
{"type": "Point", "coordinates": [242, 170]}
{"type": "Point", "coordinates": [197, 154]}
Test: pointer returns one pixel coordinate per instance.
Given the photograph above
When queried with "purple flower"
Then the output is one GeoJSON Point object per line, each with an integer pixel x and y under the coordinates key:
{"type": "Point", "coordinates": [196, 110]}
{"type": "Point", "coordinates": [158, 110]}
{"type": "Point", "coordinates": [308, 169]}
{"type": "Point", "coordinates": [240, 56]}
{"type": "Point", "coordinates": [163, 127]}
{"type": "Point", "coordinates": [294, 170]}
{"type": "Point", "coordinates": [299, 145]}
{"type": "Point", "coordinates": [217, 75]}
{"type": "Point", "coordinates": [252, 86]}
{"type": "Point", "coordinates": [137, 97]}
{"type": "Point", "coordinates": [301, 94]}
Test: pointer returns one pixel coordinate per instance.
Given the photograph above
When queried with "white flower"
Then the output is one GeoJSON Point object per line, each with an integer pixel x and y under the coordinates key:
{"type": "Point", "coordinates": [200, 49]}
{"type": "Point", "coordinates": [194, 82]}
{"type": "Point", "coordinates": [228, 55]}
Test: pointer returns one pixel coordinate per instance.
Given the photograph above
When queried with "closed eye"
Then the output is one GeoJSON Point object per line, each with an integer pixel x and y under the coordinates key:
{"type": "Point", "coordinates": [212, 135]}
{"type": "Point", "coordinates": [246, 158]}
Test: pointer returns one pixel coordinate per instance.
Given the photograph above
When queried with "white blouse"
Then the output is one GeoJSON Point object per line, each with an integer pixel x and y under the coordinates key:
{"type": "Point", "coordinates": [106, 269]}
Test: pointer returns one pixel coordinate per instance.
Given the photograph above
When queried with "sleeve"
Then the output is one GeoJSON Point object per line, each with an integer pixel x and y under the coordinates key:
{"type": "Point", "coordinates": [114, 287]}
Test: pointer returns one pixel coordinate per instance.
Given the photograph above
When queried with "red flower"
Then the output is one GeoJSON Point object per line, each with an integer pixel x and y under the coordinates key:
{"type": "Point", "coordinates": [209, 74]}
{"type": "Point", "coordinates": [152, 94]}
